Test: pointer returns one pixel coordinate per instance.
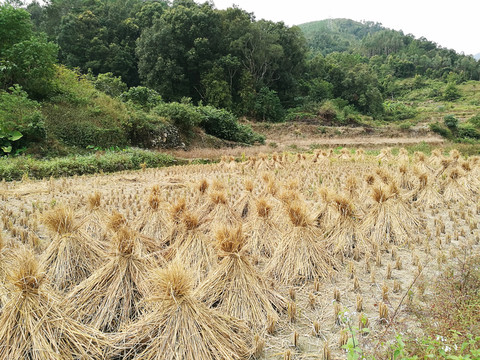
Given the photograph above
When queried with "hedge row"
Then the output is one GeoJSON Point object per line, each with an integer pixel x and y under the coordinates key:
{"type": "Point", "coordinates": [17, 167]}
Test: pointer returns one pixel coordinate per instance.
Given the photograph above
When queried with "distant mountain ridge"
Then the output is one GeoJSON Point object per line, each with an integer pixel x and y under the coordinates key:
{"type": "Point", "coordinates": [329, 35]}
{"type": "Point", "coordinates": [477, 56]}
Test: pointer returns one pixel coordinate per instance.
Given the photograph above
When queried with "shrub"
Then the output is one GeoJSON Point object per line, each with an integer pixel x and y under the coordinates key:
{"type": "Point", "coordinates": [268, 107]}
{"type": "Point", "coordinates": [110, 85]}
{"type": "Point", "coordinates": [475, 121]}
{"type": "Point", "coordinates": [451, 92]}
{"type": "Point", "coordinates": [21, 121]}
{"type": "Point", "coordinates": [150, 130]}
{"type": "Point", "coordinates": [223, 124]}
{"type": "Point", "coordinates": [451, 122]}
{"type": "Point", "coordinates": [468, 130]}
{"type": "Point", "coordinates": [328, 111]}
{"type": "Point", "coordinates": [439, 129]}
{"type": "Point", "coordinates": [142, 96]}
{"type": "Point", "coordinates": [184, 116]}
{"type": "Point", "coordinates": [395, 111]}
{"type": "Point", "coordinates": [80, 115]}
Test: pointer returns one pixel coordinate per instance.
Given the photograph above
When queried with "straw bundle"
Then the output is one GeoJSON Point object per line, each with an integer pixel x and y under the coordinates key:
{"type": "Point", "coordinates": [421, 162]}
{"type": "Point", "coordinates": [154, 221]}
{"type": "Point", "coordinates": [403, 156]}
{"type": "Point", "coordinates": [454, 188]}
{"type": "Point", "coordinates": [72, 255]}
{"type": "Point", "coordinates": [360, 154]}
{"type": "Point", "coordinates": [405, 181]}
{"type": "Point", "coordinates": [111, 295]}
{"type": "Point", "coordinates": [246, 202]}
{"type": "Point", "coordinates": [194, 248]}
{"type": "Point", "coordinates": [33, 325]}
{"type": "Point", "coordinates": [263, 231]}
{"type": "Point", "coordinates": [385, 154]}
{"type": "Point", "coordinates": [181, 327]}
{"type": "Point", "coordinates": [426, 193]}
{"type": "Point", "coordinates": [3, 267]}
{"type": "Point", "coordinates": [95, 216]}
{"type": "Point", "coordinates": [389, 219]}
{"type": "Point", "coordinates": [344, 154]}
{"type": "Point", "coordinates": [217, 210]}
{"type": "Point", "coordinates": [326, 215]}
{"type": "Point", "coordinates": [235, 287]}
{"type": "Point", "coordinates": [346, 235]}
{"type": "Point", "coordinates": [302, 254]}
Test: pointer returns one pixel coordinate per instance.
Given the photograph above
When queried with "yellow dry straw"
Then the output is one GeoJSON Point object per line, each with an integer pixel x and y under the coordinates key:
{"type": "Point", "coordinates": [72, 255]}
{"type": "Point", "coordinates": [302, 254]}
{"type": "Point", "coordinates": [179, 326]}
{"type": "Point", "coordinates": [112, 295]}
{"type": "Point", "coordinates": [235, 287]}
{"type": "Point", "coordinates": [33, 324]}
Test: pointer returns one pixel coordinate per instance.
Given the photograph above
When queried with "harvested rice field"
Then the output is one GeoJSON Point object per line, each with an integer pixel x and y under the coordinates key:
{"type": "Point", "coordinates": [285, 256]}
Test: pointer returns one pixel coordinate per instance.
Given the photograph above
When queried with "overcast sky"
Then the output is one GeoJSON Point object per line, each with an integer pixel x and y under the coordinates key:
{"type": "Point", "coordinates": [454, 26]}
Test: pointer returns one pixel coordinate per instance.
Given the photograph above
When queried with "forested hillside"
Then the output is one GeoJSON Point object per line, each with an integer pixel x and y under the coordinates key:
{"type": "Point", "coordinates": [143, 71]}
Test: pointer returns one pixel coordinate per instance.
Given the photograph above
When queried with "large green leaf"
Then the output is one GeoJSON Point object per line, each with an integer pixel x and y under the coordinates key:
{"type": "Point", "coordinates": [7, 149]}
{"type": "Point", "coordinates": [15, 135]}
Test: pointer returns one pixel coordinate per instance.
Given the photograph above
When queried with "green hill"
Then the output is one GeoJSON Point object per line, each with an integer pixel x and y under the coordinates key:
{"type": "Point", "coordinates": [330, 35]}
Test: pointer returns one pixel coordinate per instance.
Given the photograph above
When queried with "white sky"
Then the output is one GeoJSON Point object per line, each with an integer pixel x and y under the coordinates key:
{"type": "Point", "coordinates": [451, 24]}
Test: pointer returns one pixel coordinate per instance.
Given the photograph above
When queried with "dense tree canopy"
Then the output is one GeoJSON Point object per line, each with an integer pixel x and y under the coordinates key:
{"type": "Point", "coordinates": [224, 58]}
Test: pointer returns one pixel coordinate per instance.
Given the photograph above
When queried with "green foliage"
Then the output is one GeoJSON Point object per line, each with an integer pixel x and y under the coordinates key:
{"type": "Point", "coordinates": [268, 106]}
{"type": "Point", "coordinates": [451, 92]}
{"type": "Point", "coordinates": [319, 90]}
{"type": "Point", "coordinates": [441, 130]}
{"type": "Point", "coordinates": [395, 111]}
{"type": "Point", "coordinates": [142, 96]}
{"type": "Point", "coordinates": [183, 115]}
{"type": "Point", "coordinates": [451, 122]}
{"type": "Point", "coordinates": [147, 129]}
{"type": "Point", "coordinates": [475, 121]}
{"type": "Point", "coordinates": [110, 84]}
{"type": "Point", "coordinates": [21, 121]}
{"type": "Point", "coordinates": [79, 115]}
{"type": "Point", "coordinates": [468, 130]}
{"type": "Point", "coordinates": [15, 26]}
{"type": "Point", "coordinates": [25, 59]}
{"type": "Point", "coordinates": [217, 90]}
{"type": "Point", "coordinates": [180, 46]}
{"type": "Point", "coordinates": [223, 124]}
{"type": "Point", "coordinates": [15, 168]}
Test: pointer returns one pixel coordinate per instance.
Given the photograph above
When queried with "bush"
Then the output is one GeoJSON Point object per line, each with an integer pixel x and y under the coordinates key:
{"type": "Point", "coordinates": [149, 130]}
{"type": "Point", "coordinates": [475, 121]}
{"type": "Point", "coordinates": [439, 129]}
{"type": "Point", "coordinates": [451, 122]}
{"type": "Point", "coordinates": [451, 92]}
{"type": "Point", "coordinates": [223, 124]}
{"type": "Point", "coordinates": [268, 107]}
{"type": "Point", "coordinates": [15, 168]}
{"type": "Point", "coordinates": [142, 96]}
{"type": "Point", "coordinates": [328, 111]}
{"type": "Point", "coordinates": [30, 63]}
{"type": "Point", "coordinates": [21, 121]}
{"type": "Point", "coordinates": [395, 111]}
{"type": "Point", "coordinates": [184, 116]}
{"type": "Point", "coordinates": [83, 134]}
{"type": "Point", "coordinates": [110, 85]}
{"type": "Point", "coordinates": [468, 130]}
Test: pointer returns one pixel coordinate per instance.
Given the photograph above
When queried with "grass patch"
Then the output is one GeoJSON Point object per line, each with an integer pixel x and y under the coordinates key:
{"type": "Point", "coordinates": [109, 161]}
